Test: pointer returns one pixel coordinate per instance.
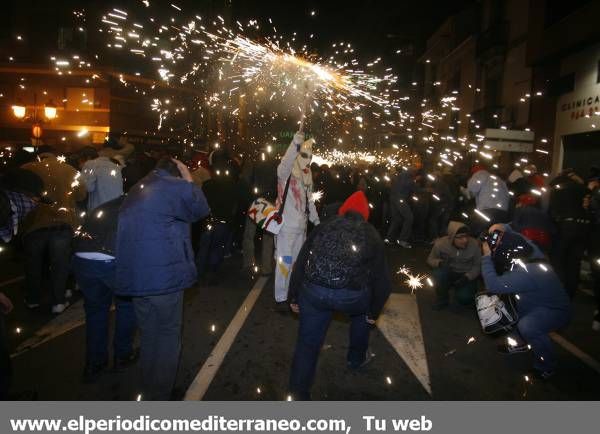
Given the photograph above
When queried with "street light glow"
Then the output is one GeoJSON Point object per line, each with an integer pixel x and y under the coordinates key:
{"type": "Point", "coordinates": [18, 111]}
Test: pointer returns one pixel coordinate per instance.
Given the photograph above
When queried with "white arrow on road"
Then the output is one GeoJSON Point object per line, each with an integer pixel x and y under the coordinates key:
{"type": "Point", "coordinates": [401, 325]}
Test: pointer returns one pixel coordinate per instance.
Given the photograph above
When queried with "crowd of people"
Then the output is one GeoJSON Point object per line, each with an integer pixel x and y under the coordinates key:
{"type": "Point", "coordinates": [136, 228]}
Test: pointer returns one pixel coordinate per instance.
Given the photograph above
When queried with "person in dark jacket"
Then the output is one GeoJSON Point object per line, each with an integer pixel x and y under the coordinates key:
{"type": "Point", "coordinates": [222, 193]}
{"type": "Point", "coordinates": [155, 263]}
{"type": "Point", "coordinates": [262, 179]}
{"type": "Point", "coordinates": [401, 191]}
{"type": "Point", "coordinates": [341, 267]}
{"type": "Point", "coordinates": [592, 204]}
{"type": "Point", "coordinates": [6, 307]}
{"type": "Point", "coordinates": [541, 300]}
{"type": "Point", "coordinates": [531, 222]}
{"type": "Point", "coordinates": [573, 225]}
{"type": "Point", "coordinates": [94, 268]}
{"type": "Point", "coordinates": [440, 209]}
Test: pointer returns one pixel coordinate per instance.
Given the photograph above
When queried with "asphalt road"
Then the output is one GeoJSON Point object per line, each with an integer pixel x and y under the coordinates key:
{"type": "Point", "coordinates": [419, 354]}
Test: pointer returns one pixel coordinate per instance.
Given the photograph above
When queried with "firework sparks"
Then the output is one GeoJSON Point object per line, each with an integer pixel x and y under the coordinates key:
{"type": "Point", "coordinates": [413, 281]}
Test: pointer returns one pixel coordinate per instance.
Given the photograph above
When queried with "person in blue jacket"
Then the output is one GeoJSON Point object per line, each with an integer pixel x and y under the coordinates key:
{"type": "Point", "coordinates": [516, 266]}
{"type": "Point", "coordinates": [155, 263]}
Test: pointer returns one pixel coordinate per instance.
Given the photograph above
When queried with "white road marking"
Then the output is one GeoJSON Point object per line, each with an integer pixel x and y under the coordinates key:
{"type": "Point", "coordinates": [581, 355]}
{"type": "Point", "coordinates": [11, 281]}
{"type": "Point", "coordinates": [211, 366]}
{"type": "Point", "coordinates": [70, 319]}
{"type": "Point", "coordinates": [401, 325]}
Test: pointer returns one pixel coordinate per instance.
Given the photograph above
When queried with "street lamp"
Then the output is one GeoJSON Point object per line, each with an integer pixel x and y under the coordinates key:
{"type": "Point", "coordinates": [50, 110]}
{"type": "Point", "coordinates": [18, 111]}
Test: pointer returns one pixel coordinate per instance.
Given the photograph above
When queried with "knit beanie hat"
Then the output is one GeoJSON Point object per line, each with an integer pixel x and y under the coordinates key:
{"type": "Point", "coordinates": [357, 202]}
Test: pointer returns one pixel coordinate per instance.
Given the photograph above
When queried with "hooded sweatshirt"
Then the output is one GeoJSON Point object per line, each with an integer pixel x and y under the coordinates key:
{"type": "Point", "coordinates": [465, 261]}
{"type": "Point", "coordinates": [490, 192]}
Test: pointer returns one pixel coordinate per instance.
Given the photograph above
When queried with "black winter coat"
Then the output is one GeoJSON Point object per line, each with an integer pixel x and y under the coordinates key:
{"type": "Point", "coordinates": [346, 252]}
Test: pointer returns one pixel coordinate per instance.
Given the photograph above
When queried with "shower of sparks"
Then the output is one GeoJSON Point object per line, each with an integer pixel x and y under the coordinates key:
{"type": "Point", "coordinates": [316, 196]}
{"type": "Point", "coordinates": [251, 73]}
{"type": "Point", "coordinates": [230, 62]}
{"type": "Point", "coordinates": [413, 281]}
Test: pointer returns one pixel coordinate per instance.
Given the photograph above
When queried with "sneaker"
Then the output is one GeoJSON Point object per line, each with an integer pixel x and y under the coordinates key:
{"type": "Point", "coordinates": [387, 242]}
{"type": "Point", "coordinates": [368, 359]}
{"type": "Point", "coordinates": [512, 349]}
{"type": "Point", "coordinates": [68, 293]}
{"type": "Point", "coordinates": [404, 244]}
{"type": "Point", "coordinates": [123, 363]}
{"type": "Point", "coordinates": [596, 322]}
{"type": "Point", "coordinates": [91, 373]}
{"type": "Point", "coordinates": [60, 308]}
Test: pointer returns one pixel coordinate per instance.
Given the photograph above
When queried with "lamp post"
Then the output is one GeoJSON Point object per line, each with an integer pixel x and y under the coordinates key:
{"type": "Point", "coordinates": [20, 112]}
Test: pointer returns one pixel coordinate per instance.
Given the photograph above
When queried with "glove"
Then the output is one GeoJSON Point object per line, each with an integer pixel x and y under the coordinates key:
{"type": "Point", "coordinates": [298, 140]}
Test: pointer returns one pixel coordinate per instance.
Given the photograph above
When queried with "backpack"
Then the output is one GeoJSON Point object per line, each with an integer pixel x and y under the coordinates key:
{"type": "Point", "coordinates": [495, 314]}
{"type": "Point", "coordinates": [338, 254]}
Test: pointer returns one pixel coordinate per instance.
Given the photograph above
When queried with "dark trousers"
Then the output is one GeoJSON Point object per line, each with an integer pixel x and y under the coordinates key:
{"type": "Point", "coordinates": [267, 246]}
{"type": "Point", "coordinates": [5, 363]}
{"type": "Point", "coordinates": [54, 242]}
{"type": "Point", "coordinates": [96, 281]}
{"type": "Point", "coordinates": [159, 318]}
{"type": "Point", "coordinates": [402, 219]}
{"type": "Point", "coordinates": [211, 250]}
{"type": "Point", "coordinates": [445, 279]}
{"type": "Point", "coordinates": [568, 253]}
{"type": "Point", "coordinates": [594, 257]}
{"type": "Point", "coordinates": [534, 327]}
{"type": "Point", "coordinates": [317, 305]}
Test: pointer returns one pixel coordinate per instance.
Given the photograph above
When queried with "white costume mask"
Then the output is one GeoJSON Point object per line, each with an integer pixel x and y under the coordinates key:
{"type": "Point", "coordinates": [301, 169]}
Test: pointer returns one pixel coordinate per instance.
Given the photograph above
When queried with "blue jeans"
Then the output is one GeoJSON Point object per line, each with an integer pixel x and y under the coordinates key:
{"type": "Point", "coordinates": [317, 305]}
{"type": "Point", "coordinates": [96, 280]}
{"type": "Point", "coordinates": [159, 318]}
{"type": "Point", "coordinates": [211, 250]}
{"type": "Point", "coordinates": [534, 327]}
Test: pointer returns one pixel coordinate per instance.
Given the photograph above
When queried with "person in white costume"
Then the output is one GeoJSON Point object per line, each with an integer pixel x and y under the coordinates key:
{"type": "Point", "coordinates": [297, 210]}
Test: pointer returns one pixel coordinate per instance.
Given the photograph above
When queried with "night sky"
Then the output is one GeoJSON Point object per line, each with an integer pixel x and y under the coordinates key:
{"type": "Point", "coordinates": [376, 27]}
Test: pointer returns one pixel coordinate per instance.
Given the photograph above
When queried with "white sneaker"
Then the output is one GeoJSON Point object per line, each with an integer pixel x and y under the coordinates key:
{"type": "Point", "coordinates": [404, 244]}
{"type": "Point", "coordinates": [68, 293]}
{"type": "Point", "coordinates": [60, 308]}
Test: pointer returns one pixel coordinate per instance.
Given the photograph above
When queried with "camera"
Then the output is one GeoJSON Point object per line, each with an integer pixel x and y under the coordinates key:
{"type": "Point", "coordinates": [491, 238]}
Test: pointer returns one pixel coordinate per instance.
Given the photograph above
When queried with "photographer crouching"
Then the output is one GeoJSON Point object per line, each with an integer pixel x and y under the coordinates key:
{"type": "Point", "coordinates": [513, 265]}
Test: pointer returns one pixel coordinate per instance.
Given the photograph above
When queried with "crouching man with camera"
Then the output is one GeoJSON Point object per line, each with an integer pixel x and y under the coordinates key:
{"type": "Point", "coordinates": [513, 265]}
